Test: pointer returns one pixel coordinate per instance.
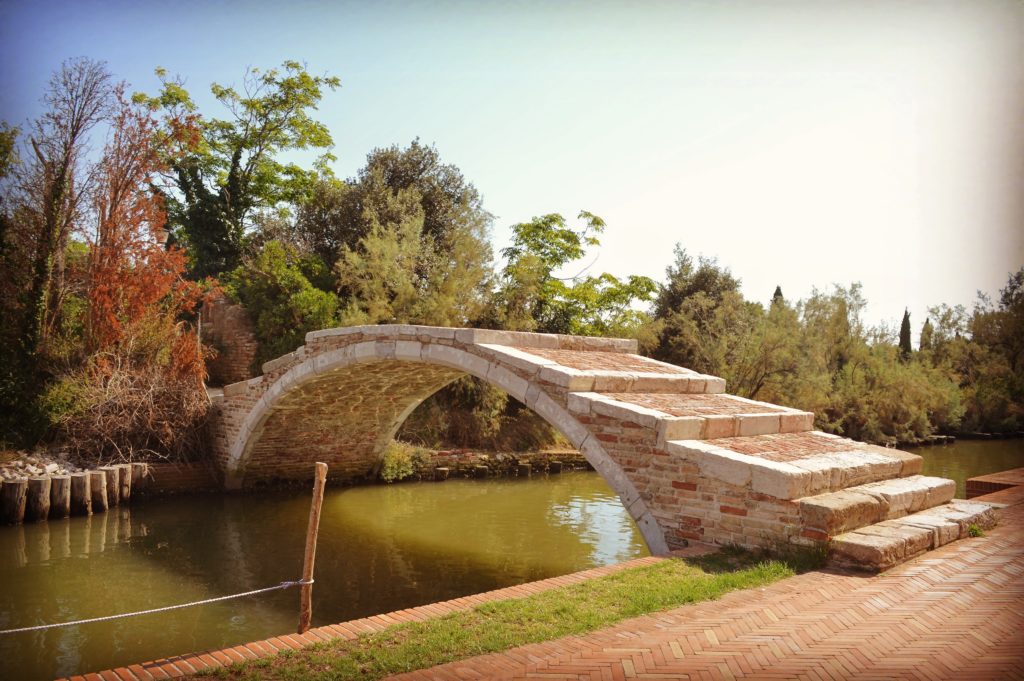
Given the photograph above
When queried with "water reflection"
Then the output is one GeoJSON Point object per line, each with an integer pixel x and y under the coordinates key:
{"type": "Point", "coordinates": [381, 548]}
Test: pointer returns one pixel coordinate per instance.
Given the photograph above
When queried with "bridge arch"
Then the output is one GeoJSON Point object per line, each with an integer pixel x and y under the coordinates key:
{"type": "Point", "coordinates": [342, 402]}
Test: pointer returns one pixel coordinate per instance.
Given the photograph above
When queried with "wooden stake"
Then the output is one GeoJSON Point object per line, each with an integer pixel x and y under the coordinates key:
{"type": "Point", "coordinates": [98, 485]}
{"type": "Point", "coordinates": [306, 596]}
{"type": "Point", "coordinates": [12, 501]}
{"type": "Point", "coordinates": [38, 504]}
{"type": "Point", "coordinates": [81, 494]}
{"type": "Point", "coordinates": [60, 496]}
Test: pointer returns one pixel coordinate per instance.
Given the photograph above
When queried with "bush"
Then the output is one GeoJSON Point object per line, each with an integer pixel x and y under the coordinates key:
{"type": "Point", "coordinates": [139, 399]}
{"type": "Point", "coordinates": [401, 461]}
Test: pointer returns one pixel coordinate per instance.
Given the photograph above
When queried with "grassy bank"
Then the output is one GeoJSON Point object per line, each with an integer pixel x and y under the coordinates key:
{"type": "Point", "coordinates": [501, 625]}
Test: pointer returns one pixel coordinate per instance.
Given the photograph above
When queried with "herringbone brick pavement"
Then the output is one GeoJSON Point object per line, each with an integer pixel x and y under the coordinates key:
{"type": "Point", "coordinates": [956, 613]}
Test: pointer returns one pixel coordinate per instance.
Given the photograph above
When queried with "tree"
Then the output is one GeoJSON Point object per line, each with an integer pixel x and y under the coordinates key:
{"type": "Point", "coordinates": [926, 336]}
{"type": "Point", "coordinates": [44, 190]}
{"type": "Point", "coordinates": [274, 286]}
{"type": "Point", "coordinates": [320, 221]}
{"type": "Point", "coordinates": [136, 383]}
{"type": "Point", "coordinates": [685, 278]}
{"type": "Point", "coordinates": [226, 170]}
{"type": "Point", "coordinates": [52, 187]}
{"type": "Point", "coordinates": [905, 348]}
{"type": "Point", "coordinates": [412, 240]}
{"type": "Point", "coordinates": [777, 296]}
{"type": "Point", "coordinates": [130, 274]}
{"type": "Point", "coordinates": [532, 298]}
{"type": "Point", "coordinates": [687, 325]}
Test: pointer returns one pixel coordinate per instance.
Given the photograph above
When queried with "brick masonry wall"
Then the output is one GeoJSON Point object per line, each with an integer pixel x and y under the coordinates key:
{"type": "Point", "coordinates": [180, 478]}
{"type": "Point", "coordinates": [227, 329]}
{"type": "Point", "coordinates": [688, 505]}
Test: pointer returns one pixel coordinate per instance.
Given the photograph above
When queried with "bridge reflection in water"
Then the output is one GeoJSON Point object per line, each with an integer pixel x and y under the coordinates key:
{"type": "Point", "coordinates": [381, 548]}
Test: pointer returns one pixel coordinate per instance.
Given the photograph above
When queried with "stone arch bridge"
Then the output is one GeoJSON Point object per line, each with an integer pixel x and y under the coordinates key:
{"type": "Point", "coordinates": [687, 460]}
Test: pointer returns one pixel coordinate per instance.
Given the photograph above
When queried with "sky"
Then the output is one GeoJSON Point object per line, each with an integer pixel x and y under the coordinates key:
{"type": "Point", "coordinates": [803, 144]}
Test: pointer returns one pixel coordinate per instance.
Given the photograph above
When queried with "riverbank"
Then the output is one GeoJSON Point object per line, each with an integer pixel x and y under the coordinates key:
{"type": "Point", "coordinates": [831, 620]}
{"type": "Point", "coordinates": [575, 604]}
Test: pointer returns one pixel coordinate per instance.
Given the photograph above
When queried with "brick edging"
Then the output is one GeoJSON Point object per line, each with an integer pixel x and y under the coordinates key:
{"type": "Point", "coordinates": [191, 663]}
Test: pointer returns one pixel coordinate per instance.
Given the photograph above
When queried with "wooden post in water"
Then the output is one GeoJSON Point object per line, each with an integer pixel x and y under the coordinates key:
{"type": "Point", "coordinates": [60, 496]}
{"type": "Point", "coordinates": [98, 485]}
{"type": "Point", "coordinates": [113, 485]}
{"type": "Point", "coordinates": [81, 494]}
{"type": "Point", "coordinates": [126, 480]}
{"type": "Point", "coordinates": [12, 500]}
{"type": "Point", "coordinates": [38, 505]}
{"type": "Point", "coordinates": [306, 596]}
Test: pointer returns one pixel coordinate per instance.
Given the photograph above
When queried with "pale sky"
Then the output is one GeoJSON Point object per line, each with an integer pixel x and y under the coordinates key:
{"type": "Point", "coordinates": [801, 143]}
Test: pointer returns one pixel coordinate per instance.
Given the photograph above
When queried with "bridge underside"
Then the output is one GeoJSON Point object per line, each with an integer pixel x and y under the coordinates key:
{"type": "Point", "coordinates": [344, 418]}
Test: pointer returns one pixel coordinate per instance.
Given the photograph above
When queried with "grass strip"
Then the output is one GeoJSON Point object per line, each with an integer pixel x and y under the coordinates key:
{"type": "Point", "coordinates": [500, 625]}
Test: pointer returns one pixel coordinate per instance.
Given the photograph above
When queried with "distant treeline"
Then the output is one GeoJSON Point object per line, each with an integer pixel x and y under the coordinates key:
{"type": "Point", "coordinates": [104, 260]}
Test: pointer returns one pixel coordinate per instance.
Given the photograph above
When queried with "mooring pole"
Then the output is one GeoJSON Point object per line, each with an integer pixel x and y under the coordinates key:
{"type": "Point", "coordinates": [306, 597]}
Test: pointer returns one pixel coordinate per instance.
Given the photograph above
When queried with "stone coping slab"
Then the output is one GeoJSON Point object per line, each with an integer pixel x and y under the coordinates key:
{"type": "Point", "coordinates": [994, 482]}
{"type": "Point", "coordinates": [837, 464]}
{"type": "Point", "coordinates": [622, 372]}
{"type": "Point", "coordinates": [476, 336]}
{"type": "Point", "coordinates": [882, 545]}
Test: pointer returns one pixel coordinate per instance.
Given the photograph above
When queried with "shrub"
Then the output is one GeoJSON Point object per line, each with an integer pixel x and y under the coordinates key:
{"type": "Point", "coordinates": [138, 399]}
{"type": "Point", "coordinates": [401, 461]}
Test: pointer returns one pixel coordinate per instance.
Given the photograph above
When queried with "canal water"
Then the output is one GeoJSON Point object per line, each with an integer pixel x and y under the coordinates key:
{"type": "Point", "coordinates": [970, 458]}
{"type": "Point", "coordinates": [381, 548]}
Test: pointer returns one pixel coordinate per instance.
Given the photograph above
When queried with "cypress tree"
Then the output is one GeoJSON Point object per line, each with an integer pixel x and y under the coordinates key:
{"type": "Point", "coordinates": [926, 335]}
{"type": "Point", "coordinates": [777, 296]}
{"type": "Point", "coordinates": [905, 348]}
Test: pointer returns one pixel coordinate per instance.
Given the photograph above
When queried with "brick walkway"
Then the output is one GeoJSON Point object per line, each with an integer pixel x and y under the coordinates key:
{"type": "Point", "coordinates": [956, 613]}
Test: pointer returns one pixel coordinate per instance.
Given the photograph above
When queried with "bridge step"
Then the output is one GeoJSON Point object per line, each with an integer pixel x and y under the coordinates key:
{"type": "Point", "coordinates": [827, 515]}
{"type": "Point", "coordinates": [697, 416]}
{"type": "Point", "coordinates": [795, 465]}
{"type": "Point", "coordinates": [882, 545]}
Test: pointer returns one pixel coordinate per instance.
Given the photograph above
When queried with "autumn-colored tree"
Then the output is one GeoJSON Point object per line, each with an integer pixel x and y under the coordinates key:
{"type": "Point", "coordinates": [130, 272]}
{"type": "Point", "coordinates": [140, 386]}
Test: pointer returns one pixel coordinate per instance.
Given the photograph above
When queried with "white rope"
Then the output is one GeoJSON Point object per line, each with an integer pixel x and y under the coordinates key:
{"type": "Point", "coordinates": [282, 585]}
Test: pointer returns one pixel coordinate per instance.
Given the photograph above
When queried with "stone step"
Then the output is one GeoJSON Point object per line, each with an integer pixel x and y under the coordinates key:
{"type": "Point", "coordinates": [826, 515]}
{"type": "Point", "coordinates": [882, 545]}
{"type": "Point", "coordinates": [696, 416]}
{"type": "Point", "coordinates": [792, 466]}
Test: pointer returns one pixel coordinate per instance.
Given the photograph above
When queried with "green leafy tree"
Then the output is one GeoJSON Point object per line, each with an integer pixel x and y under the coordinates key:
{"type": "Point", "coordinates": [227, 170]}
{"type": "Point", "coordinates": [687, 323]}
{"type": "Point", "coordinates": [532, 298]}
{"type": "Point", "coordinates": [411, 235]}
{"type": "Point", "coordinates": [275, 287]}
